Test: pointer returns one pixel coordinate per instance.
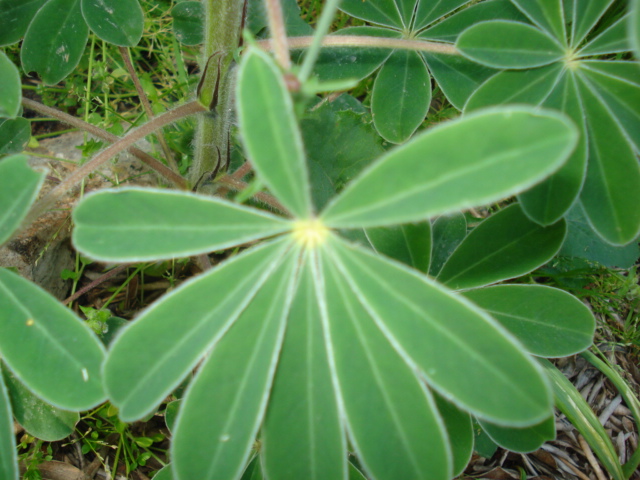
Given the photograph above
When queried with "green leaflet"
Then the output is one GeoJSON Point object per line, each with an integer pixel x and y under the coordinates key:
{"type": "Point", "coordinates": [448, 232]}
{"type": "Point", "coordinates": [389, 413]}
{"type": "Point", "coordinates": [547, 14]}
{"type": "Point", "coordinates": [48, 347]}
{"type": "Point", "coordinates": [617, 84]}
{"type": "Point", "coordinates": [401, 96]}
{"type": "Point", "coordinates": [583, 242]}
{"type": "Point", "coordinates": [303, 436]}
{"type": "Point", "coordinates": [38, 418]}
{"type": "Point", "coordinates": [505, 150]}
{"type": "Point", "coordinates": [271, 136]}
{"type": "Point", "coordinates": [429, 11]}
{"type": "Point", "coordinates": [14, 135]}
{"type": "Point", "coordinates": [15, 16]}
{"type": "Point", "coordinates": [569, 401]}
{"type": "Point", "coordinates": [354, 145]}
{"type": "Point", "coordinates": [115, 21]}
{"type": "Point", "coordinates": [611, 191]}
{"type": "Point", "coordinates": [54, 41]}
{"type": "Point", "coordinates": [506, 44]}
{"type": "Point", "coordinates": [164, 224]}
{"type": "Point", "coordinates": [505, 245]}
{"type": "Point", "coordinates": [547, 321]}
{"type": "Point", "coordinates": [457, 76]}
{"type": "Point", "coordinates": [584, 18]}
{"type": "Point", "coordinates": [613, 39]}
{"type": "Point", "coordinates": [530, 86]}
{"type": "Point", "coordinates": [633, 26]}
{"type": "Point", "coordinates": [522, 440]}
{"type": "Point", "coordinates": [188, 22]}
{"type": "Point", "coordinates": [223, 408]}
{"type": "Point", "coordinates": [410, 243]}
{"type": "Point", "coordinates": [417, 316]}
{"type": "Point", "coordinates": [550, 200]}
{"type": "Point", "coordinates": [10, 87]}
{"type": "Point", "coordinates": [19, 187]}
{"type": "Point", "coordinates": [381, 12]}
{"type": "Point", "coordinates": [448, 29]}
{"type": "Point", "coordinates": [460, 432]}
{"type": "Point", "coordinates": [154, 353]}
{"type": "Point", "coordinates": [8, 459]}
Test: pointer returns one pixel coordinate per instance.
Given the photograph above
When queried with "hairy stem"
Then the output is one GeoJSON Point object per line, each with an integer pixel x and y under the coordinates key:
{"type": "Point", "coordinates": [328, 13]}
{"type": "Point", "coordinates": [224, 20]}
{"type": "Point", "coordinates": [159, 167]}
{"type": "Point", "coordinates": [126, 57]}
{"type": "Point", "coordinates": [278, 33]}
{"type": "Point", "coordinates": [367, 41]}
{"type": "Point", "coordinates": [121, 145]}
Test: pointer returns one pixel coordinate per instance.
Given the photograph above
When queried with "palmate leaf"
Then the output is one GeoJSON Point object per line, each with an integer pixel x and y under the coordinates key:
{"type": "Point", "coordinates": [505, 150]}
{"type": "Point", "coordinates": [8, 451]}
{"type": "Point", "coordinates": [271, 137]}
{"type": "Point", "coordinates": [417, 315]}
{"type": "Point", "coordinates": [303, 435]}
{"type": "Point", "coordinates": [55, 40]}
{"type": "Point", "coordinates": [36, 326]}
{"type": "Point", "coordinates": [549, 322]}
{"type": "Point", "coordinates": [152, 355]}
{"type": "Point", "coordinates": [19, 187]}
{"type": "Point", "coordinates": [389, 414]}
{"type": "Point", "coordinates": [115, 21]}
{"type": "Point", "coordinates": [223, 421]}
{"type": "Point", "coordinates": [164, 224]}
{"type": "Point", "coordinates": [505, 245]}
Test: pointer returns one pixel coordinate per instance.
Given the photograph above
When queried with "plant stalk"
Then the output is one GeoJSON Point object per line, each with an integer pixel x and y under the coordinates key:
{"type": "Point", "coordinates": [367, 41]}
{"type": "Point", "coordinates": [224, 20]}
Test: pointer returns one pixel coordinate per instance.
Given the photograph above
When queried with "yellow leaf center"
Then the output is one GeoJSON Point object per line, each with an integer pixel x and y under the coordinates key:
{"type": "Point", "coordinates": [310, 233]}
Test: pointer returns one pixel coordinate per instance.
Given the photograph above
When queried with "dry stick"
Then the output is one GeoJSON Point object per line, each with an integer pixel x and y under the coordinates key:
{"type": "Point", "coordinates": [366, 41]}
{"type": "Point", "coordinates": [262, 197]}
{"type": "Point", "coordinates": [123, 144]}
{"type": "Point", "coordinates": [159, 167]}
{"type": "Point", "coordinates": [278, 38]}
{"type": "Point", "coordinates": [592, 460]}
{"type": "Point", "coordinates": [102, 278]}
{"type": "Point", "coordinates": [126, 57]}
